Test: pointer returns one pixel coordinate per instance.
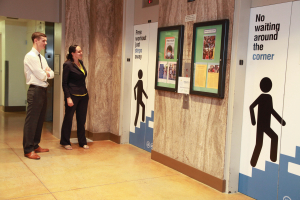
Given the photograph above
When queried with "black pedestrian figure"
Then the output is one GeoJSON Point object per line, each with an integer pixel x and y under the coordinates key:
{"type": "Point", "coordinates": [265, 110]}
{"type": "Point", "coordinates": [139, 98]}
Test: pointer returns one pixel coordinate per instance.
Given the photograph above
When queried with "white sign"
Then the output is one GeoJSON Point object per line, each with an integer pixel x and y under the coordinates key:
{"type": "Point", "coordinates": [190, 18]}
{"type": "Point", "coordinates": [210, 31]}
{"type": "Point", "coordinates": [184, 85]}
{"type": "Point", "coordinates": [267, 56]}
{"type": "Point", "coordinates": [144, 60]}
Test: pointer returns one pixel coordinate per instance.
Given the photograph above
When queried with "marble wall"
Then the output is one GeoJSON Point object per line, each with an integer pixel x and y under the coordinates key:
{"type": "Point", "coordinates": [77, 32]}
{"type": "Point", "coordinates": [96, 25]}
{"type": "Point", "coordinates": [195, 136]}
{"type": "Point", "coordinates": [116, 67]}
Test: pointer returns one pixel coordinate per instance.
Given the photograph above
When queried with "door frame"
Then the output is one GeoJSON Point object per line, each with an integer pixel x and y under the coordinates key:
{"type": "Point", "coordinates": [1, 72]}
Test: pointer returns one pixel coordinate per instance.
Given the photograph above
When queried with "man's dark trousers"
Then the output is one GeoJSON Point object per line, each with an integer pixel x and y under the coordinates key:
{"type": "Point", "coordinates": [35, 117]}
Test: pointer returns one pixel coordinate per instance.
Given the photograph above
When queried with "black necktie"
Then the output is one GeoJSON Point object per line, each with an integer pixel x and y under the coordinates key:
{"type": "Point", "coordinates": [41, 61]}
{"type": "Point", "coordinates": [41, 65]}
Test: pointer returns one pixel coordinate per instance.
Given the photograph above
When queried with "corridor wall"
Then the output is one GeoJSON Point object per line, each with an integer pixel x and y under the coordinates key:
{"type": "Point", "coordinates": [96, 26]}
{"type": "Point", "coordinates": [196, 136]}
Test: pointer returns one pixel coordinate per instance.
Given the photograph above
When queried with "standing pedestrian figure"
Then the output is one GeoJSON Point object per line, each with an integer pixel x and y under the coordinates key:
{"type": "Point", "coordinates": [37, 72]}
{"type": "Point", "coordinates": [76, 97]}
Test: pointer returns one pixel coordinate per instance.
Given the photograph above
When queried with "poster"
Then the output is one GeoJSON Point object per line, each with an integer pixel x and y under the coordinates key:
{"type": "Point", "coordinates": [270, 144]}
{"type": "Point", "coordinates": [169, 56]}
{"type": "Point", "coordinates": [142, 98]}
{"type": "Point", "coordinates": [209, 58]}
{"type": "Point", "coordinates": [169, 47]}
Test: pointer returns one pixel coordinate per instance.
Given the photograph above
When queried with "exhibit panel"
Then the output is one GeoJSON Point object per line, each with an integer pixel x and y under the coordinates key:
{"type": "Point", "coordinates": [209, 55]}
{"type": "Point", "coordinates": [289, 173]}
{"type": "Point", "coordinates": [263, 100]}
{"type": "Point", "coordinates": [143, 78]}
{"type": "Point", "coordinates": [169, 57]}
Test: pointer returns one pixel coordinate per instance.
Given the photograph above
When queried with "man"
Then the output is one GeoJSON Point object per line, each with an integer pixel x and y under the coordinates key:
{"type": "Point", "coordinates": [37, 72]}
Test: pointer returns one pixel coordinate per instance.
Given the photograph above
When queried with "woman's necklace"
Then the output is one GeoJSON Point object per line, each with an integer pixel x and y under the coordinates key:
{"type": "Point", "coordinates": [78, 65]}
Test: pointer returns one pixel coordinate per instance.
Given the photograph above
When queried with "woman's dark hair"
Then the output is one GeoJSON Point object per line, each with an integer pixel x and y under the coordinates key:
{"type": "Point", "coordinates": [72, 49]}
{"type": "Point", "coordinates": [169, 48]}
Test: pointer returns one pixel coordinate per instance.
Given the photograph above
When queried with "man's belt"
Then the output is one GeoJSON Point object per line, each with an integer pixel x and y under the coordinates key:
{"type": "Point", "coordinates": [35, 86]}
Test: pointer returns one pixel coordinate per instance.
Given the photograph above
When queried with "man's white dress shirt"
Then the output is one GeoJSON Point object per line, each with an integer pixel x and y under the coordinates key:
{"type": "Point", "coordinates": [34, 73]}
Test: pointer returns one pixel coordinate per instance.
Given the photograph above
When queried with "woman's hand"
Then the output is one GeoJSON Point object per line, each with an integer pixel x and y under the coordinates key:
{"type": "Point", "coordinates": [70, 102]}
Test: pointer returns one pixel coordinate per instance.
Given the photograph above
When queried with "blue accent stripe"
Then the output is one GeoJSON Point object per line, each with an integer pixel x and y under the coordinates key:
{"type": "Point", "coordinates": [263, 184]}
{"type": "Point", "coordinates": [143, 136]}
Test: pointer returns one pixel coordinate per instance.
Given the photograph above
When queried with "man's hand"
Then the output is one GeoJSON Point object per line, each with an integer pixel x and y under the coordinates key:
{"type": "Point", "coordinates": [70, 102]}
{"type": "Point", "coordinates": [48, 69]}
{"type": "Point", "coordinates": [48, 74]}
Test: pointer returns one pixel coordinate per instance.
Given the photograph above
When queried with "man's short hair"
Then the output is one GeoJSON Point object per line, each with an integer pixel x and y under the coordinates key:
{"type": "Point", "coordinates": [37, 35]}
{"type": "Point", "coordinates": [169, 48]}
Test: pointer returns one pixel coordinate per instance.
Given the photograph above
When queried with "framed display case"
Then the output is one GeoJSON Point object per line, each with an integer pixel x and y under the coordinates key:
{"type": "Point", "coordinates": [209, 52]}
{"type": "Point", "coordinates": [168, 57]}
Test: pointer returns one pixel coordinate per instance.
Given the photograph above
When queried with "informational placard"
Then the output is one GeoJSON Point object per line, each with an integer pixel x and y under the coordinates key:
{"type": "Point", "coordinates": [190, 18]}
{"type": "Point", "coordinates": [264, 116]}
{"type": "Point", "coordinates": [208, 58]}
{"type": "Point", "coordinates": [169, 56]}
{"type": "Point", "coordinates": [184, 85]}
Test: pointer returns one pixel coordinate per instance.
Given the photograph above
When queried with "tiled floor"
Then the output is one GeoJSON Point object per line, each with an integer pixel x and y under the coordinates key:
{"type": "Point", "coordinates": [105, 171]}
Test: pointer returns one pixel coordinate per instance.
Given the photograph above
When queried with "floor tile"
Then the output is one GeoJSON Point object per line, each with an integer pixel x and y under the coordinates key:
{"type": "Point", "coordinates": [39, 197]}
{"type": "Point", "coordinates": [21, 186]}
{"type": "Point", "coordinates": [105, 171]}
{"type": "Point", "coordinates": [171, 187]}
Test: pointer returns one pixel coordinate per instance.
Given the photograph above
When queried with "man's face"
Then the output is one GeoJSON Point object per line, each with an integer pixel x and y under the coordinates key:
{"type": "Point", "coordinates": [41, 43]}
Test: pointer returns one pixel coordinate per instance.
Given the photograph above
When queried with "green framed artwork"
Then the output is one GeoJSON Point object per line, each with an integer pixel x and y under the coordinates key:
{"type": "Point", "coordinates": [168, 57]}
{"type": "Point", "coordinates": [209, 54]}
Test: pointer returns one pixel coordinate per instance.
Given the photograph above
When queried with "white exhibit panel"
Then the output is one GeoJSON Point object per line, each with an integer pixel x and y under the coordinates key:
{"type": "Point", "coordinates": [263, 101]}
{"type": "Point", "coordinates": [289, 173]}
{"type": "Point", "coordinates": [143, 78]}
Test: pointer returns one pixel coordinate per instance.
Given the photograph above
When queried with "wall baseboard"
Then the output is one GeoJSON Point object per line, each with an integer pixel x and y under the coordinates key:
{"type": "Point", "coordinates": [99, 136]}
{"type": "Point", "coordinates": [192, 172]}
{"type": "Point", "coordinates": [14, 108]}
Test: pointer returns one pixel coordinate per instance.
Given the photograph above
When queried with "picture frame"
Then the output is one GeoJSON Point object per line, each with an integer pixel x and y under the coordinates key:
{"type": "Point", "coordinates": [169, 57]}
{"type": "Point", "coordinates": [209, 56]}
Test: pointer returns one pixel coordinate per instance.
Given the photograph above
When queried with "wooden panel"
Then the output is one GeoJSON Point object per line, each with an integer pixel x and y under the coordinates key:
{"type": "Point", "coordinates": [14, 108]}
{"type": "Point", "coordinates": [116, 67]}
{"type": "Point", "coordinates": [99, 136]}
{"type": "Point", "coordinates": [194, 173]}
{"type": "Point", "coordinates": [195, 136]}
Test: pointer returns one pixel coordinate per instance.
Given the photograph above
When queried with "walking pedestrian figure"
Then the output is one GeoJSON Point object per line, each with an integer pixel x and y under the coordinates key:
{"type": "Point", "coordinates": [265, 110]}
{"type": "Point", "coordinates": [139, 98]}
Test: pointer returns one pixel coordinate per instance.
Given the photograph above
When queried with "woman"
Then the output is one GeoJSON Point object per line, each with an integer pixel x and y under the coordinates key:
{"type": "Point", "coordinates": [76, 97]}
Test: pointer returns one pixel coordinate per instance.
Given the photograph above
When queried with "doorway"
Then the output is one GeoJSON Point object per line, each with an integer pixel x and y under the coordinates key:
{"type": "Point", "coordinates": [142, 109]}
{"type": "Point", "coordinates": [49, 55]}
{"type": "Point", "coordinates": [270, 148]}
{"type": "Point", "coordinates": [1, 102]}
{"type": "Point", "coordinates": [17, 44]}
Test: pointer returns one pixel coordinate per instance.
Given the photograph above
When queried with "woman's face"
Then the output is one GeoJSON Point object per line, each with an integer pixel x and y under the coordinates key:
{"type": "Point", "coordinates": [78, 53]}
